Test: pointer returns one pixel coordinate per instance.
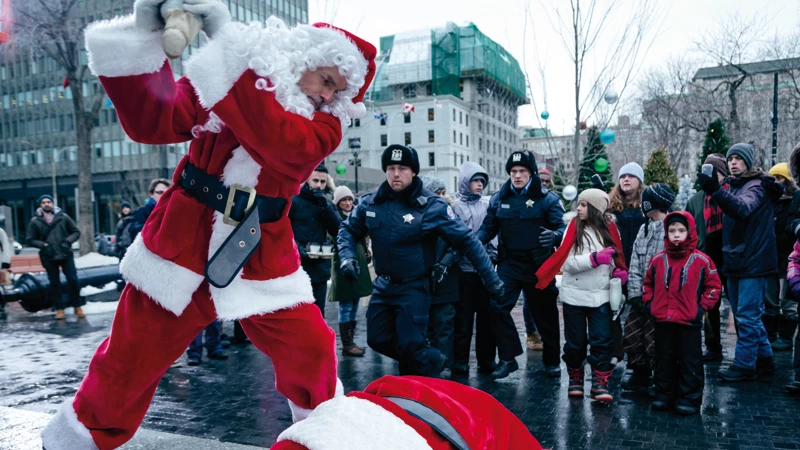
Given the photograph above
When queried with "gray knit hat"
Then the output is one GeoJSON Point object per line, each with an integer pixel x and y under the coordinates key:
{"type": "Point", "coordinates": [432, 184]}
{"type": "Point", "coordinates": [634, 169]}
{"type": "Point", "coordinates": [341, 192]}
{"type": "Point", "coordinates": [744, 151]}
{"type": "Point", "coordinates": [596, 198]}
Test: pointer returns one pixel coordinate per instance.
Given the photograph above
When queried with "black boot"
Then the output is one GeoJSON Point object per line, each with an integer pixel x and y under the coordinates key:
{"type": "Point", "coordinates": [505, 368]}
{"type": "Point", "coordinates": [735, 374]}
{"type": "Point", "coordinates": [771, 325]}
{"type": "Point", "coordinates": [710, 356]}
{"type": "Point", "coordinates": [786, 331]}
{"type": "Point", "coordinates": [639, 380]}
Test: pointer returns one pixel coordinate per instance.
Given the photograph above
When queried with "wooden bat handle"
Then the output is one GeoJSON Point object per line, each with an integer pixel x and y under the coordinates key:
{"type": "Point", "coordinates": [181, 29]}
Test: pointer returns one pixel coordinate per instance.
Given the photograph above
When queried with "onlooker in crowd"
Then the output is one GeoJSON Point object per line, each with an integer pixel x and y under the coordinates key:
{"type": "Point", "coordinates": [626, 200]}
{"type": "Point", "coordinates": [6, 250]}
{"type": "Point", "coordinates": [793, 277]}
{"type": "Point", "coordinates": [587, 258]}
{"type": "Point", "coordinates": [444, 286]}
{"type": "Point", "coordinates": [547, 178]}
{"type": "Point", "coordinates": [123, 234]}
{"type": "Point", "coordinates": [345, 291]}
{"type": "Point", "coordinates": [156, 189]}
{"type": "Point", "coordinates": [638, 340]}
{"type": "Point", "coordinates": [750, 255]}
{"type": "Point", "coordinates": [473, 306]}
{"type": "Point", "coordinates": [708, 220]}
{"type": "Point", "coordinates": [53, 233]}
{"type": "Point", "coordinates": [313, 218]}
{"type": "Point", "coordinates": [212, 345]}
{"type": "Point", "coordinates": [780, 310]}
{"type": "Point", "coordinates": [681, 284]}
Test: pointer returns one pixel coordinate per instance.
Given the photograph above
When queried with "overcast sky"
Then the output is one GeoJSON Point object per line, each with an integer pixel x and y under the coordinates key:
{"type": "Point", "coordinates": [681, 23]}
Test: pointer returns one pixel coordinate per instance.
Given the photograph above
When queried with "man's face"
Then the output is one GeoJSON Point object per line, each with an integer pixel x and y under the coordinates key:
{"type": "Point", "coordinates": [520, 176]}
{"type": "Point", "coordinates": [780, 179]}
{"type": "Point", "coordinates": [399, 177]}
{"type": "Point", "coordinates": [476, 186]}
{"type": "Point", "coordinates": [629, 184]}
{"type": "Point", "coordinates": [547, 180]}
{"type": "Point", "coordinates": [677, 233]}
{"type": "Point", "coordinates": [159, 191]}
{"type": "Point", "coordinates": [318, 180]}
{"type": "Point", "coordinates": [46, 205]}
{"type": "Point", "coordinates": [320, 85]}
{"type": "Point", "coordinates": [346, 204]}
{"type": "Point", "coordinates": [736, 165]}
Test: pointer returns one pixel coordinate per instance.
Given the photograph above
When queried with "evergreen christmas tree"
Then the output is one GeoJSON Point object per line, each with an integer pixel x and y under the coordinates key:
{"type": "Point", "coordinates": [684, 193]}
{"type": "Point", "coordinates": [594, 158]}
{"type": "Point", "coordinates": [658, 170]}
{"type": "Point", "coordinates": [716, 142]}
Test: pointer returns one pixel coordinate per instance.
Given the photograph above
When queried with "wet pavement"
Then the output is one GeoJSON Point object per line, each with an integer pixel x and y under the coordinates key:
{"type": "Point", "coordinates": [42, 363]}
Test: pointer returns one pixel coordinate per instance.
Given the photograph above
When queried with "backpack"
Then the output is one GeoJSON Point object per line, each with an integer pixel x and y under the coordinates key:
{"type": "Point", "coordinates": [126, 237]}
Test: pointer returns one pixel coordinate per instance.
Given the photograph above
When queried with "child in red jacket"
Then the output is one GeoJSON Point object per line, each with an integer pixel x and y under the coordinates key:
{"type": "Point", "coordinates": [680, 286]}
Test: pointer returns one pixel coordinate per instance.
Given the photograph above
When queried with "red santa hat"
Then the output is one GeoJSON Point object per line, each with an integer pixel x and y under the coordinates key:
{"type": "Point", "coordinates": [370, 420]}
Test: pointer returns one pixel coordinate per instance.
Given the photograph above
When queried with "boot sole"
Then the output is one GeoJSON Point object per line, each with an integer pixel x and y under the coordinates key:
{"type": "Point", "coordinates": [575, 393]}
{"type": "Point", "coordinates": [604, 398]}
{"type": "Point", "coordinates": [736, 380]}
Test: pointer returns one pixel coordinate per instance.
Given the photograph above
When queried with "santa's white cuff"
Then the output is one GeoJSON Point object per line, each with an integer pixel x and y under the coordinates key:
{"type": "Point", "coordinates": [66, 432]}
{"type": "Point", "coordinates": [299, 413]}
{"type": "Point", "coordinates": [216, 67]}
{"type": "Point", "coordinates": [116, 48]}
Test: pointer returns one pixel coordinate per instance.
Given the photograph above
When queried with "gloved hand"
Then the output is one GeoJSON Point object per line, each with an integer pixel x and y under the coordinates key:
{"type": "Point", "coordinates": [350, 269]}
{"type": "Point", "coordinates": [647, 308]}
{"type": "Point", "coordinates": [547, 238]}
{"type": "Point", "coordinates": [709, 184]}
{"type": "Point", "coordinates": [597, 182]}
{"type": "Point", "coordinates": [496, 290]}
{"type": "Point", "coordinates": [794, 285]}
{"type": "Point", "coordinates": [213, 13]}
{"type": "Point", "coordinates": [6, 266]}
{"type": "Point", "coordinates": [699, 316]}
{"type": "Point", "coordinates": [320, 199]}
{"type": "Point", "coordinates": [621, 274]}
{"type": "Point", "coordinates": [438, 273]}
{"type": "Point", "coordinates": [795, 228]}
{"type": "Point", "coordinates": [604, 256]}
{"type": "Point", "coordinates": [147, 15]}
{"type": "Point", "coordinates": [636, 303]}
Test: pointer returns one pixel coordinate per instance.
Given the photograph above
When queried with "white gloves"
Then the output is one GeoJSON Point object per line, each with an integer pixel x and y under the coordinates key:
{"type": "Point", "coordinates": [147, 15]}
{"type": "Point", "coordinates": [213, 13]}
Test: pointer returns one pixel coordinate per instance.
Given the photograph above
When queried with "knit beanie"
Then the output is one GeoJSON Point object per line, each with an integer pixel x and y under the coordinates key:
{"type": "Point", "coordinates": [432, 184]}
{"type": "Point", "coordinates": [596, 198]}
{"type": "Point", "coordinates": [632, 169]}
{"type": "Point", "coordinates": [402, 155]}
{"type": "Point", "coordinates": [781, 169]}
{"type": "Point", "coordinates": [45, 196]}
{"type": "Point", "coordinates": [341, 192]}
{"type": "Point", "coordinates": [125, 204]}
{"type": "Point", "coordinates": [718, 161]}
{"type": "Point", "coordinates": [657, 196]}
{"type": "Point", "coordinates": [672, 218]}
{"type": "Point", "coordinates": [744, 151]}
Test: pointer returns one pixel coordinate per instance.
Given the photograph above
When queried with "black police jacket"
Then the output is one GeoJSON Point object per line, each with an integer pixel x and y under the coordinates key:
{"type": "Point", "coordinates": [404, 228]}
{"type": "Point", "coordinates": [311, 222]}
{"type": "Point", "coordinates": [518, 220]}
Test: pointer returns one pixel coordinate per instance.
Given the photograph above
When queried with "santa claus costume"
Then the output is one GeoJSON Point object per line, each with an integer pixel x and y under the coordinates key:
{"type": "Point", "coordinates": [410, 413]}
{"type": "Point", "coordinates": [255, 138]}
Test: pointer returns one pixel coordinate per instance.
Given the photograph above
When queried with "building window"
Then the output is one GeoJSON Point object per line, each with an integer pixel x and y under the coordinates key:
{"type": "Point", "coordinates": [455, 159]}
{"type": "Point", "coordinates": [480, 161]}
{"type": "Point", "coordinates": [454, 114]}
{"type": "Point", "coordinates": [406, 117]}
{"type": "Point", "coordinates": [430, 114]}
{"type": "Point", "coordinates": [384, 140]}
{"type": "Point", "coordinates": [480, 125]}
{"type": "Point", "coordinates": [460, 117]}
{"type": "Point", "coordinates": [462, 158]}
{"type": "Point", "coordinates": [430, 136]}
{"type": "Point", "coordinates": [467, 120]}
{"type": "Point", "coordinates": [358, 122]}
{"type": "Point", "coordinates": [460, 138]}
{"type": "Point", "coordinates": [431, 159]}
{"type": "Point", "coordinates": [480, 144]}
{"type": "Point", "coordinates": [454, 136]}
{"type": "Point", "coordinates": [383, 121]}
{"type": "Point", "coordinates": [408, 138]}
{"type": "Point", "coordinates": [467, 140]}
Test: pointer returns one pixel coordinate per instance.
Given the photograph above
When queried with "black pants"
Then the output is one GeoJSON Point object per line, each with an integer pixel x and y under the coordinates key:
{"type": "Point", "coordinates": [397, 324]}
{"type": "Point", "coordinates": [518, 277]}
{"type": "Point", "coordinates": [73, 298]}
{"type": "Point", "coordinates": [474, 301]}
{"type": "Point", "coordinates": [441, 322]}
{"type": "Point", "coordinates": [711, 321]}
{"type": "Point", "coordinates": [679, 375]}
{"type": "Point", "coordinates": [577, 319]}
{"type": "Point", "coordinates": [320, 290]}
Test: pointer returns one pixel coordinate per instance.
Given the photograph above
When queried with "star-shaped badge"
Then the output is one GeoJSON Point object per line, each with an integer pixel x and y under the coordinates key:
{"type": "Point", "coordinates": [529, 203]}
{"type": "Point", "coordinates": [408, 218]}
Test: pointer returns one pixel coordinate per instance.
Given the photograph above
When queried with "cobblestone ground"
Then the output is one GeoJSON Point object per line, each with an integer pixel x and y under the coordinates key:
{"type": "Point", "coordinates": [42, 363]}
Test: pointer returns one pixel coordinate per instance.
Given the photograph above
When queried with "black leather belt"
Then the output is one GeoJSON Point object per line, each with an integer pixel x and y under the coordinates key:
{"type": "Point", "coordinates": [433, 419]}
{"type": "Point", "coordinates": [243, 209]}
{"type": "Point", "coordinates": [403, 280]}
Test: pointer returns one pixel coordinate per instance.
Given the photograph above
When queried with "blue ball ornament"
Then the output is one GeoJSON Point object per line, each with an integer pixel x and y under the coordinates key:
{"type": "Point", "coordinates": [545, 115]}
{"type": "Point", "coordinates": [607, 136]}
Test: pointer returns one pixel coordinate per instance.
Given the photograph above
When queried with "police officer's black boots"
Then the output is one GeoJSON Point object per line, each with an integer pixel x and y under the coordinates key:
{"type": "Point", "coordinates": [505, 368]}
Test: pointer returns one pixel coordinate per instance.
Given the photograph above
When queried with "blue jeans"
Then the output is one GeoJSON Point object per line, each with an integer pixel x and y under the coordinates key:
{"type": "Point", "coordinates": [527, 314]}
{"type": "Point", "coordinates": [348, 310]}
{"type": "Point", "coordinates": [212, 331]}
{"type": "Point", "coordinates": [746, 296]}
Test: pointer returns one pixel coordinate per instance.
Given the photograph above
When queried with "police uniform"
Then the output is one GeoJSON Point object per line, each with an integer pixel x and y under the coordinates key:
{"type": "Point", "coordinates": [520, 219]}
{"type": "Point", "coordinates": [404, 228]}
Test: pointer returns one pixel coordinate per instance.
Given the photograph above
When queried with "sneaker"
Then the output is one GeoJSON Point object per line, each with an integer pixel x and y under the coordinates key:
{"type": "Point", "coordinates": [193, 361]}
{"type": "Point", "coordinates": [505, 368]}
{"type": "Point", "coordinates": [575, 387]}
{"type": "Point", "coordinates": [709, 356]}
{"type": "Point", "coordinates": [794, 386]}
{"type": "Point", "coordinates": [461, 368]}
{"type": "Point", "coordinates": [553, 371]}
{"type": "Point", "coordinates": [781, 345]}
{"type": "Point", "coordinates": [765, 366]}
{"type": "Point", "coordinates": [600, 387]}
{"type": "Point", "coordinates": [734, 374]}
{"type": "Point", "coordinates": [534, 342]}
{"type": "Point", "coordinates": [638, 380]}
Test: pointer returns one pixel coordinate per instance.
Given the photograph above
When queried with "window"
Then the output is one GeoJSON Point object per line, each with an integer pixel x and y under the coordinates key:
{"type": "Point", "coordinates": [454, 114]}
{"type": "Point", "coordinates": [430, 114]}
{"type": "Point", "coordinates": [467, 120]}
{"type": "Point", "coordinates": [462, 158]}
{"type": "Point", "coordinates": [461, 138]}
{"type": "Point", "coordinates": [455, 159]}
{"type": "Point", "coordinates": [460, 117]}
{"type": "Point", "coordinates": [383, 121]}
{"type": "Point", "coordinates": [431, 159]}
{"type": "Point", "coordinates": [384, 140]}
{"type": "Point", "coordinates": [430, 136]}
{"type": "Point", "coordinates": [407, 117]}
{"type": "Point", "coordinates": [480, 125]}
{"type": "Point", "coordinates": [454, 136]}
{"type": "Point", "coordinates": [467, 140]}
{"type": "Point", "coordinates": [480, 144]}
{"type": "Point", "coordinates": [408, 138]}
{"type": "Point", "coordinates": [358, 122]}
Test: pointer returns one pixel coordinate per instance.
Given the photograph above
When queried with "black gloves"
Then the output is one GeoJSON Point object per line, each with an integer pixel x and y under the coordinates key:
{"type": "Point", "coordinates": [547, 238]}
{"type": "Point", "coordinates": [6, 266]}
{"type": "Point", "coordinates": [709, 184]}
{"type": "Point", "coordinates": [350, 269]}
{"type": "Point", "coordinates": [438, 273]}
{"type": "Point", "coordinates": [320, 199]}
{"type": "Point", "coordinates": [496, 290]}
{"type": "Point", "coordinates": [597, 182]}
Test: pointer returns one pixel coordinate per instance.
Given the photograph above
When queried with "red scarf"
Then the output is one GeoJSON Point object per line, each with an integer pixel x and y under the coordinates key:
{"type": "Point", "coordinates": [712, 215]}
{"type": "Point", "coordinates": [550, 268]}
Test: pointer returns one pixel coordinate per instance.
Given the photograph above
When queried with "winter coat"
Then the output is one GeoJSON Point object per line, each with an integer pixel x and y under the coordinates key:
{"type": "Point", "coordinates": [628, 221]}
{"type": "Point", "coordinates": [471, 208]}
{"type": "Point", "coordinates": [582, 284]}
{"type": "Point", "coordinates": [695, 207]}
{"type": "Point", "coordinates": [6, 250]}
{"type": "Point", "coordinates": [59, 236]}
{"type": "Point", "coordinates": [311, 224]}
{"type": "Point", "coordinates": [784, 214]}
{"type": "Point", "coordinates": [682, 282]}
{"type": "Point", "coordinates": [793, 268]}
{"type": "Point", "coordinates": [343, 288]}
{"type": "Point", "coordinates": [139, 217]}
{"type": "Point", "coordinates": [748, 230]}
{"type": "Point", "coordinates": [649, 241]}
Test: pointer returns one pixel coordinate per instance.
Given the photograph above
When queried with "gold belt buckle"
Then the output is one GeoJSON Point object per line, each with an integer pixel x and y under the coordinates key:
{"type": "Point", "coordinates": [251, 199]}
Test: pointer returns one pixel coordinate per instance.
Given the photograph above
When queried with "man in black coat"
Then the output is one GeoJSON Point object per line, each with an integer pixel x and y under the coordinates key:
{"type": "Point", "coordinates": [156, 189]}
{"type": "Point", "coordinates": [313, 218]}
{"type": "Point", "coordinates": [53, 233]}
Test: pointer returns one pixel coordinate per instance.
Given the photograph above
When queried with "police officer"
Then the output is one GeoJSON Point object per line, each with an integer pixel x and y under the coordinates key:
{"type": "Point", "coordinates": [405, 222]}
{"type": "Point", "coordinates": [528, 219]}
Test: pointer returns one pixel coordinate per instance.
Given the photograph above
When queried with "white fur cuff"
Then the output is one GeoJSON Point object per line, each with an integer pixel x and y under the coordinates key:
{"type": "Point", "coordinates": [66, 432]}
{"type": "Point", "coordinates": [117, 49]}
{"type": "Point", "coordinates": [218, 65]}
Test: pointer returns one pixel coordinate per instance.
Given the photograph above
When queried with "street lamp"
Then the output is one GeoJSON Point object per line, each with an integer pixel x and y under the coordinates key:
{"type": "Point", "coordinates": [53, 157]}
{"type": "Point", "coordinates": [355, 146]}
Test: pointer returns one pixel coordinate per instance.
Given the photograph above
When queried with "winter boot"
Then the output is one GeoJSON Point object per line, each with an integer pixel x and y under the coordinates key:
{"type": "Point", "coordinates": [534, 342]}
{"type": "Point", "coordinates": [734, 374]}
{"type": "Point", "coordinates": [60, 315]}
{"type": "Point", "coordinates": [786, 332]}
{"type": "Point", "coordinates": [639, 380]}
{"type": "Point", "coordinates": [356, 348]}
{"type": "Point", "coordinates": [771, 325]}
{"type": "Point", "coordinates": [347, 341]}
{"type": "Point", "coordinates": [79, 312]}
{"type": "Point", "coordinates": [600, 386]}
{"type": "Point", "coordinates": [794, 386]}
{"type": "Point", "coordinates": [575, 387]}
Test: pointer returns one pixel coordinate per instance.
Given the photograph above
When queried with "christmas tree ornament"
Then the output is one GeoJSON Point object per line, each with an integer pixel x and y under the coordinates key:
{"type": "Point", "coordinates": [583, 125]}
{"type": "Point", "coordinates": [569, 192]}
{"type": "Point", "coordinates": [601, 165]}
{"type": "Point", "coordinates": [341, 169]}
{"type": "Point", "coordinates": [611, 96]}
{"type": "Point", "coordinates": [545, 115]}
{"type": "Point", "coordinates": [607, 136]}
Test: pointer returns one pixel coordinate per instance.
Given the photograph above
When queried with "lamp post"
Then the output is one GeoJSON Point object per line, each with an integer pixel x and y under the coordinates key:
{"type": "Point", "coordinates": [53, 158]}
{"type": "Point", "coordinates": [355, 146]}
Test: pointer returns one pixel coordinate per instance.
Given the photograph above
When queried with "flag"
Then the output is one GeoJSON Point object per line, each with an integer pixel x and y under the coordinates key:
{"type": "Point", "coordinates": [407, 108]}
{"type": "Point", "coordinates": [5, 20]}
{"type": "Point", "coordinates": [379, 116]}
{"type": "Point", "coordinates": [437, 103]}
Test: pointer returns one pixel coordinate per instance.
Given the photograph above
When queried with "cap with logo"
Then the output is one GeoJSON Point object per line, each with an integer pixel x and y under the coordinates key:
{"type": "Point", "coordinates": [524, 159]}
{"type": "Point", "coordinates": [402, 155]}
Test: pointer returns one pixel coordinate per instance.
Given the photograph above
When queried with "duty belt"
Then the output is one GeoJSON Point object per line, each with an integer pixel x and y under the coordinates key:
{"type": "Point", "coordinates": [403, 280]}
{"type": "Point", "coordinates": [433, 419]}
{"type": "Point", "coordinates": [243, 209]}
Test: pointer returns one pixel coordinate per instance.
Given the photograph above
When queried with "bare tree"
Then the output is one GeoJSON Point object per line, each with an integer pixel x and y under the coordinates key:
{"type": "Point", "coordinates": [55, 28]}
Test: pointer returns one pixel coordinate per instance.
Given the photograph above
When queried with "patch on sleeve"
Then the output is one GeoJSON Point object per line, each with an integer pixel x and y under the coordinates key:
{"type": "Point", "coordinates": [450, 213]}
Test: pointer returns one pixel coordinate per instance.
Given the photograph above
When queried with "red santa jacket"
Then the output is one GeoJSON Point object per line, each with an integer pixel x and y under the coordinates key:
{"type": "Point", "coordinates": [367, 420]}
{"type": "Point", "coordinates": [681, 280]}
{"type": "Point", "coordinates": [248, 124]}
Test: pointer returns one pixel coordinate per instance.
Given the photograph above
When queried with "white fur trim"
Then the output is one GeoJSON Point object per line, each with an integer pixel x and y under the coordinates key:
{"type": "Point", "coordinates": [66, 432]}
{"type": "Point", "coordinates": [299, 413]}
{"type": "Point", "coordinates": [167, 283]}
{"type": "Point", "coordinates": [116, 48]}
{"type": "Point", "coordinates": [354, 424]}
{"type": "Point", "coordinates": [244, 298]}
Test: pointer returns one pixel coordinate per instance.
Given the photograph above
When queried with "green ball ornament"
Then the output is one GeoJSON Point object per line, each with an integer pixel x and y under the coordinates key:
{"type": "Point", "coordinates": [601, 165]}
{"type": "Point", "coordinates": [341, 169]}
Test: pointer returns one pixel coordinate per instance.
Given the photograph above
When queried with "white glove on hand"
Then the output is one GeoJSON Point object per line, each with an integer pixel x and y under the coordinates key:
{"type": "Point", "coordinates": [213, 13]}
{"type": "Point", "coordinates": [147, 15]}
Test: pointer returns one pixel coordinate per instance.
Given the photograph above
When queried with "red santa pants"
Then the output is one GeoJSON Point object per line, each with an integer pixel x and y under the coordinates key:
{"type": "Point", "coordinates": [146, 339]}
